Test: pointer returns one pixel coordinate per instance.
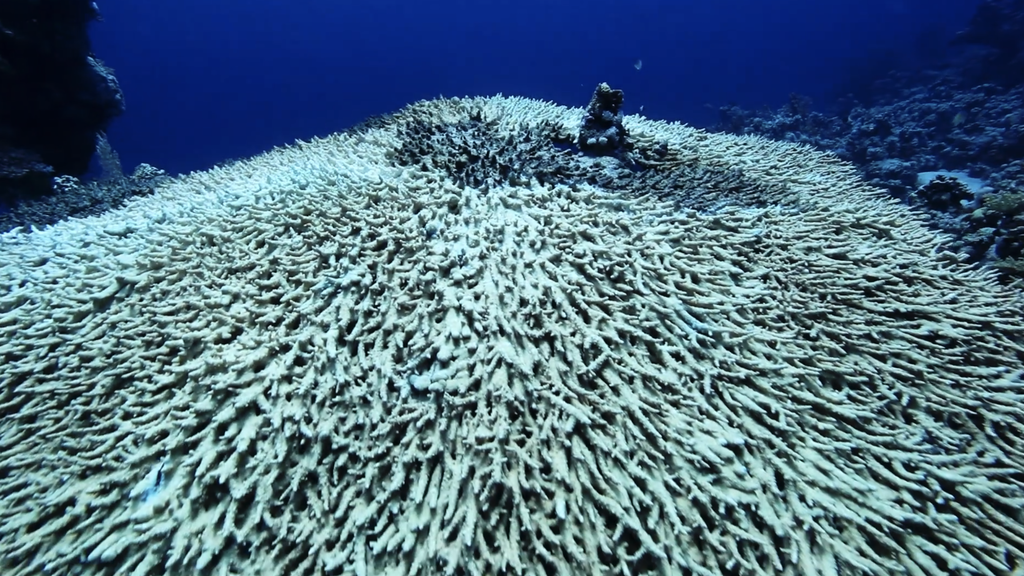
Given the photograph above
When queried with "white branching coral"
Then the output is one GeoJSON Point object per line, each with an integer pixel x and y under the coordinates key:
{"type": "Point", "coordinates": [442, 344]}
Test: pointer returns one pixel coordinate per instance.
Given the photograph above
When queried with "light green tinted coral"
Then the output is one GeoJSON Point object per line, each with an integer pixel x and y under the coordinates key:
{"type": "Point", "coordinates": [1006, 202]}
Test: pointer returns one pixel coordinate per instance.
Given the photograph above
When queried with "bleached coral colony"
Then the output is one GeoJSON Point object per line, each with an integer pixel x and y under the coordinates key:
{"type": "Point", "coordinates": [446, 342]}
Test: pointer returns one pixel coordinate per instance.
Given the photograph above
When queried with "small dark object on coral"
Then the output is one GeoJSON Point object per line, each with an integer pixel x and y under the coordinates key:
{"type": "Point", "coordinates": [602, 132]}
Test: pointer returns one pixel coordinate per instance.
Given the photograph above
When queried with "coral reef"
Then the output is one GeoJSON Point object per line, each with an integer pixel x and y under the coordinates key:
{"type": "Point", "coordinates": [73, 198]}
{"type": "Point", "coordinates": [445, 343]}
{"type": "Point", "coordinates": [965, 115]}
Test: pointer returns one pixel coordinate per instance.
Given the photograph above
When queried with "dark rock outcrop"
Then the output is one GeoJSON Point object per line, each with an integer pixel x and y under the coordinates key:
{"type": "Point", "coordinates": [55, 96]}
{"type": "Point", "coordinates": [998, 27]}
{"type": "Point", "coordinates": [602, 132]}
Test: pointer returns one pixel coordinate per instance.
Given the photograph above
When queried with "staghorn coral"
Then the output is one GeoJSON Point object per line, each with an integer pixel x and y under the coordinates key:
{"type": "Point", "coordinates": [397, 350]}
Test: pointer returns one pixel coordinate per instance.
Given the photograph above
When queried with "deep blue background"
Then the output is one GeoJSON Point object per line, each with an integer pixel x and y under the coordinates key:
{"type": "Point", "coordinates": [209, 80]}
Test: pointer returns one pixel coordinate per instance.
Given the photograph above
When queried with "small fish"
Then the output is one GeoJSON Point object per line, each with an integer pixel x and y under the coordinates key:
{"type": "Point", "coordinates": [638, 64]}
{"type": "Point", "coordinates": [641, 107]}
{"type": "Point", "coordinates": [959, 119]}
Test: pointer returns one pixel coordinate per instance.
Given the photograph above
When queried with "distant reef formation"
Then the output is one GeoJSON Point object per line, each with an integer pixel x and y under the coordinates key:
{"type": "Point", "coordinates": [948, 140]}
{"type": "Point", "coordinates": [56, 97]}
{"type": "Point", "coordinates": [999, 26]}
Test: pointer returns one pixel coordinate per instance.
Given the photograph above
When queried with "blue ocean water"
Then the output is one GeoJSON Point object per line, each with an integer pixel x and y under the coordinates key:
{"type": "Point", "coordinates": [206, 81]}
